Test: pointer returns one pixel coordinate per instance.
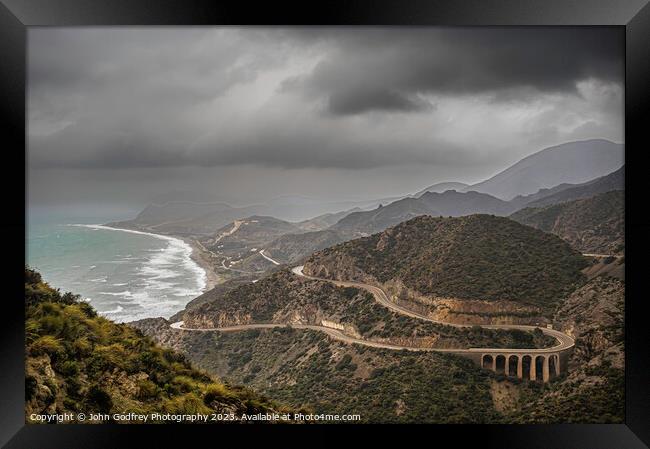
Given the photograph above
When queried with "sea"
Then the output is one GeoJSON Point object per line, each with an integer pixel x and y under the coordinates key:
{"type": "Point", "coordinates": [126, 275]}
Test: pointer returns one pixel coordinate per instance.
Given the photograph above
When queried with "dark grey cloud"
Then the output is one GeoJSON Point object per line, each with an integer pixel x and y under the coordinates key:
{"type": "Point", "coordinates": [357, 101]}
{"type": "Point", "coordinates": [317, 98]}
{"type": "Point", "coordinates": [387, 69]}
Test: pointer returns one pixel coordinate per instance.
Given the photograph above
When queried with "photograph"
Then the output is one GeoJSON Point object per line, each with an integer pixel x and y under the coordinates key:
{"type": "Point", "coordinates": [325, 225]}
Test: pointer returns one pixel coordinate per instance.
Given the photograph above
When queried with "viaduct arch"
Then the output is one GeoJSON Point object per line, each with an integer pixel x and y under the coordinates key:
{"type": "Point", "coordinates": [522, 364]}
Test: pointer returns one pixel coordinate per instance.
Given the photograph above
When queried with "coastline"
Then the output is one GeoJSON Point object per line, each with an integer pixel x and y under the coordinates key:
{"type": "Point", "coordinates": [197, 255]}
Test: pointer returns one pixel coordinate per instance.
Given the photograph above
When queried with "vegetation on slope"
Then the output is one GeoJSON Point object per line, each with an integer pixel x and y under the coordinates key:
{"type": "Point", "coordinates": [478, 257]}
{"type": "Point", "coordinates": [77, 361]}
{"type": "Point", "coordinates": [449, 203]}
{"type": "Point", "coordinates": [285, 298]}
{"type": "Point", "coordinates": [593, 391]}
{"type": "Point", "coordinates": [592, 225]}
{"type": "Point", "coordinates": [307, 369]}
{"type": "Point", "coordinates": [569, 192]}
{"type": "Point", "coordinates": [291, 248]}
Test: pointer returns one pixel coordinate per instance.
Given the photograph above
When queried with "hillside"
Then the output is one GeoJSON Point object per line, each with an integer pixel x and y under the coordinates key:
{"type": "Point", "coordinates": [376, 220]}
{"type": "Point", "coordinates": [442, 187]}
{"type": "Point", "coordinates": [572, 162]}
{"type": "Point", "coordinates": [593, 391]}
{"type": "Point", "coordinates": [288, 299]}
{"type": "Point", "coordinates": [248, 234]}
{"type": "Point", "coordinates": [77, 361]}
{"type": "Point", "coordinates": [305, 368]}
{"type": "Point", "coordinates": [592, 225]}
{"type": "Point", "coordinates": [187, 218]}
{"type": "Point", "coordinates": [478, 257]}
{"type": "Point", "coordinates": [291, 248]}
{"type": "Point", "coordinates": [455, 204]}
{"type": "Point", "coordinates": [324, 221]}
{"type": "Point", "coordinates": [449, 203]}
{"type": "Point", "coordinates": [213, 294]}
{"type": "Point", "coordinates": [612, 181]}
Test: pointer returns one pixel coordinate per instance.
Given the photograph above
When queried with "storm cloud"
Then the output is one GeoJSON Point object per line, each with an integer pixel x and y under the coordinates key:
{"type": "Point", "coordinates": [448, 101]}
{"type": "Point", "coordinates": [389, 69]}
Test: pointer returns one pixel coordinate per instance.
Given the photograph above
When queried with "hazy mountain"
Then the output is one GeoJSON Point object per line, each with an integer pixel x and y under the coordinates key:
{"type": "Point", "coordinates": [369, 222]}
{"type": "Point", "coordinates": [325, 221]}
{"type": "Point", "coordinates": [454, 204]}
{"type": "Point", "coordinates": [250, 232]}
{"type": "Point", "coordinates": [183, 195]}
{"type": "Point", "coordinates": [607, 183]}
{"type": "Point", "coordinates": [442, 187]}
{"type": "Point", "coordinates": [185, 217]}
{"type": "Point", "coordinates": [291, 248]}
{"type": "Point", "coordinates": [478, 257]}
{"type": "Point", "coordinates": [449, 203]}
{"type": "Point", "coordinates": [572, 162]}
{"type": "Point", "coordinates": [200, 218]}
{"type": "Point", "coordinates": [591, 225]}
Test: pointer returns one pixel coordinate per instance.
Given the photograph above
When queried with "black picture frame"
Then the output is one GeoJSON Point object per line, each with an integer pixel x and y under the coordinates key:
{"type": "Point", "coordinates": [633, 15]}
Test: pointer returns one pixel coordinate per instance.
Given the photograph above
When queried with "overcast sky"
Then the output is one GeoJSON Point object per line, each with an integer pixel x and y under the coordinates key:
{"type": "Point", "coordinates": [117, 115]}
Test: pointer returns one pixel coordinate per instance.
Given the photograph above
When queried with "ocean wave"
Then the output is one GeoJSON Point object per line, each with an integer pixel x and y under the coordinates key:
{"type": "Point", "coordinates": [101, 279]}
{"type": "Point", "coordinates": [125, 293]}
{"type": "Point", "coordinates": [118, 309]}
{"type": "Point", "coordinates": [166, 276]}
{"type": "Point", "coordinates": [184, 292]}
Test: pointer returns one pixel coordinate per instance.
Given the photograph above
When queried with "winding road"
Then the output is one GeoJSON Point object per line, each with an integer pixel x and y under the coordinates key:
{"type": "Point", "coordinates": [564, 341]}
{"type": "Point", "coordinates": [274, 262]}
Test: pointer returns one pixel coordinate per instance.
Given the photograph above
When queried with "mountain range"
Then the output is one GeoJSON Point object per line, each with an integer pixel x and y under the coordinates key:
{"type": "Point", "coordinates": [572, 163]}
{"type": "Point", "coordinates": [546, 172]}
{"type": "Point", "coordinates": [592, 225]}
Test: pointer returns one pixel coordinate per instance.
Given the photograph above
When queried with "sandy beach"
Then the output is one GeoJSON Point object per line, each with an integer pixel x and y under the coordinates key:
{"type": "Point", "coordinates": [198, 254]}
{"type": "Point", "coordinates": [202, 259]}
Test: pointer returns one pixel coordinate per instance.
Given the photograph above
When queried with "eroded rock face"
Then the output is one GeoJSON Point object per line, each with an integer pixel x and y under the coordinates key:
{"type": "Point", "coordinates": [339, 268]}
{"type": "Point", "coordinates": [594, 316]}
{"type": "Point", "coordinates": [463, 311]}
{"type": "Point", "coordinates": [40, 374]}
{"type": "Point", "coordinates": [223, 319]}
{"type": "Point", "coordinates": [159, 330]}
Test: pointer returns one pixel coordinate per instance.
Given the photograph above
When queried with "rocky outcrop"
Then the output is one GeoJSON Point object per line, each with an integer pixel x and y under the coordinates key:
{"type": "Point", "coordinates": [463, 311]}
{"type": "Point", "coordinates": [594, 316]}
{"type": "Point", "coordinates": [340, 268]}
{"type": "Point", "coordinates": [41, 379]}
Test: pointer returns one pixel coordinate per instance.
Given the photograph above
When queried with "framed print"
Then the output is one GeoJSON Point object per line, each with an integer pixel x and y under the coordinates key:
{"type": "Point", "coordinates": [317, 220]}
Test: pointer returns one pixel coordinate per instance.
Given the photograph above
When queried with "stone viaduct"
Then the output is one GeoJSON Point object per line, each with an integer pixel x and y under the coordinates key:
{"type": "Point", "coordinates": [529, 364]}
{"type": "Point", "coordinates": [534, 365]}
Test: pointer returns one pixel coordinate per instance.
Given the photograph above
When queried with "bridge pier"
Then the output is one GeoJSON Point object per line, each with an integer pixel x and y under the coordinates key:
{"type": "Point", "coordinates": [493, 361]}
{"type": "Point", "coordinates": [533, 368]}
{"type": "Point", "coordinates": [545, 372]}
